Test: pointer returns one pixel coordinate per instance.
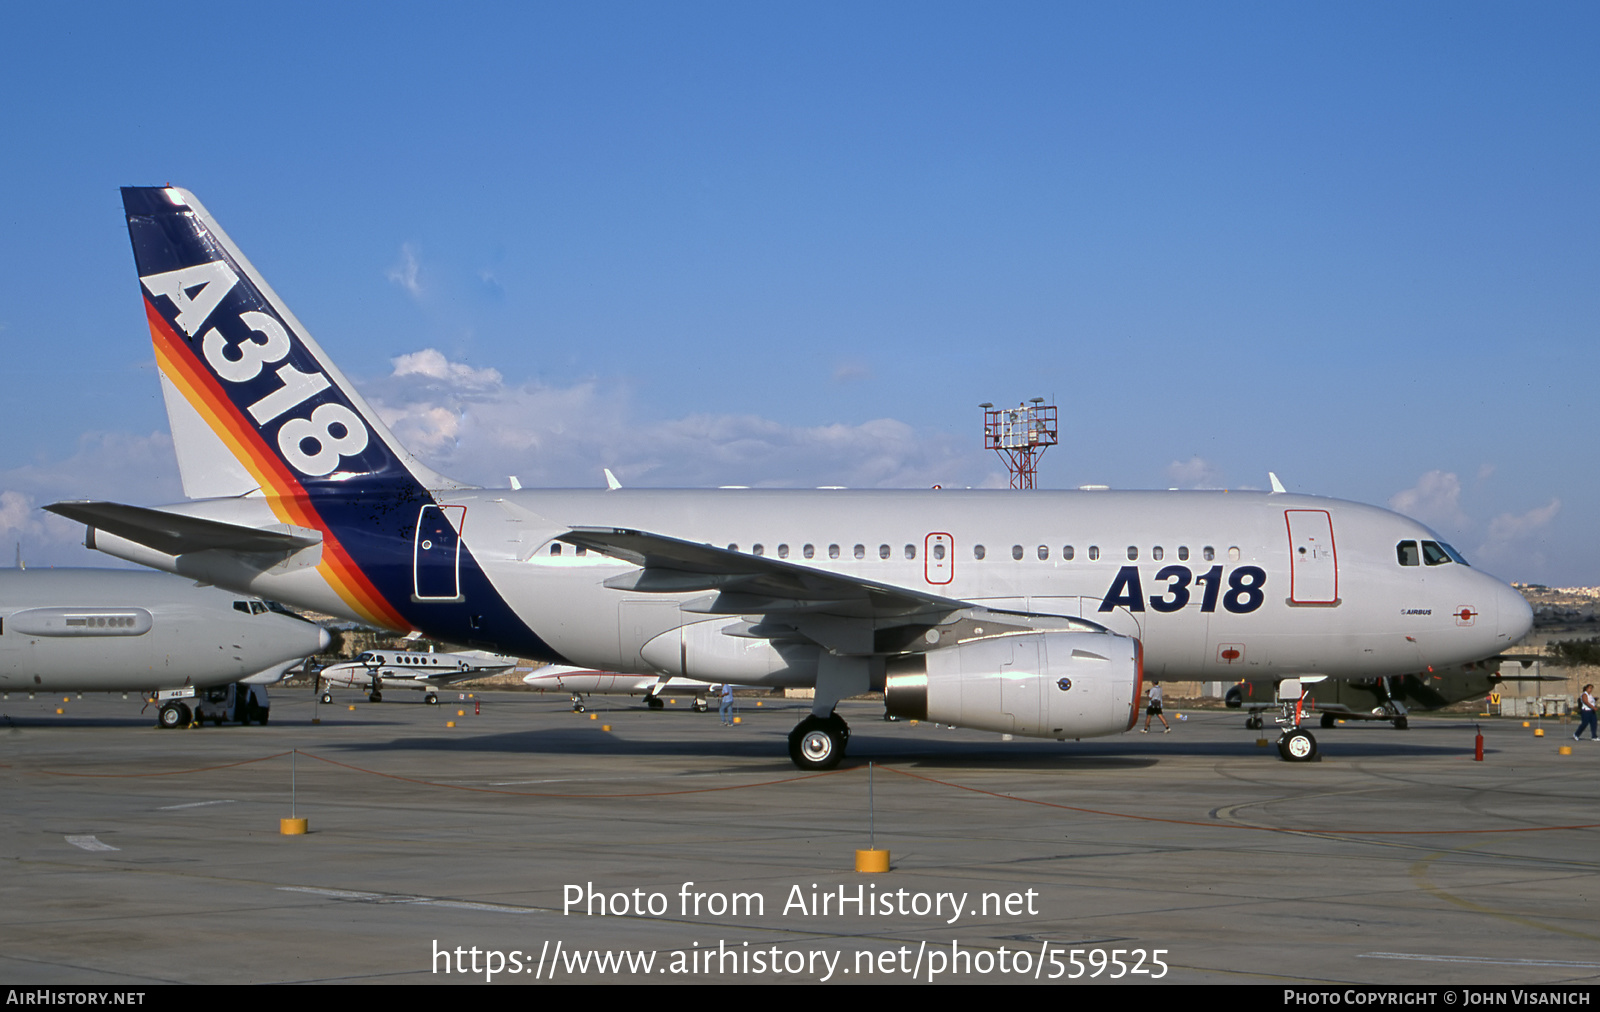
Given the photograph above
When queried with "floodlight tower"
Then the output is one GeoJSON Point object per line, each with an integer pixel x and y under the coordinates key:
{"type": "Point", "coordinates": [1020, 435]}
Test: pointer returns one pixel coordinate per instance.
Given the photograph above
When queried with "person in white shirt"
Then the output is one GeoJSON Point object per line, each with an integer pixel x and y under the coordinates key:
{"type": "Point", "coordinates": [1154, 710]}
{"type": "Point", "coordinates": [1586, 714]}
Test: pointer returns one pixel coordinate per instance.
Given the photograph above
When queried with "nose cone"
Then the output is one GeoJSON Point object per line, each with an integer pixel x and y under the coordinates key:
{"type": "Point", "coordinates": [323, 639]}
{"type": "Point", "coordinates": [1516, 615]}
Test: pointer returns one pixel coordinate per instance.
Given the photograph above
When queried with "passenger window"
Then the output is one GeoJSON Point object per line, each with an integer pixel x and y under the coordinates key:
{"type": "Point", "coordinates": [809, 551]}
{"type": "Point", "coordinates": [833, 551]}
{"type": "Point", "coordinates": [978, 552]}
{"type": "Point", "coordinates": [1066, 552]}
{"type": "Point", "coordinates": [1183, 553]}
{"type": "Point", "coordinates": [1156, 553]}
{"type": "Point", "coordinates": [783, 551]}
{"type": "Point", "coordinates": [911, 551]}
{"type": "Point", "coordinates": [1133, 553]}
{"type": "Point", "coordinates": [1433, 555]}
{"type": "Point", "coordinates": [1044, 552]}
{"type": "Point", "coordinates": [1209, 553]}
{"type": "Point", "coordinates": [758, 549]}
{"type": "Point", "coordinates": [1233, 554]}
{"type": "Point", "coordinates": [1407, 552]}
{"type": "Point", "coordinates": [731, 548]}
{"type": "Point", "coordinates": [1016, 552]}
{"type": "Point", "coordinates": [1094, 553]}
{"type": "Point", "coordinates": [883, 551]}
{"type": "Point", "coordinates": [861, 551]}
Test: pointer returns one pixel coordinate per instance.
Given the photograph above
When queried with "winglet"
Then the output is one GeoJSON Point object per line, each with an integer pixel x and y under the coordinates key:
{"type": "Point", "coordinates": [612, 484]}
{"type": "Point", "coordinates": [1277, 486]}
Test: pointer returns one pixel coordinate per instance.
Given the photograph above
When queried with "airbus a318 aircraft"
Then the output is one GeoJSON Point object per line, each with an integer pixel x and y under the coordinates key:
{"type": "Point", "coordinates": [375, 670]}
{"type": "Point", "coordinates": [1027, 613]}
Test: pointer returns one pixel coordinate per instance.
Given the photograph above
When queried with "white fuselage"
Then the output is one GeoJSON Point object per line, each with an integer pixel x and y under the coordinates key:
{"type": "Point", "coordinates": [96, 630]}
{"type": "Point", "coordinates": [1355, 611]}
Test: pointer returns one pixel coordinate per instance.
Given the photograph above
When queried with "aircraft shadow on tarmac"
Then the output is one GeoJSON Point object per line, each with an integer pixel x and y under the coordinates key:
{"type": "Point", "coordinates": [930, 752]}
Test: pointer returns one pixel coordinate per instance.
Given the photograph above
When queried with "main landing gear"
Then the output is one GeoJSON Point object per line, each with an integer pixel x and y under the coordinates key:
{"type": "Point", "coordinates": [818, 743]}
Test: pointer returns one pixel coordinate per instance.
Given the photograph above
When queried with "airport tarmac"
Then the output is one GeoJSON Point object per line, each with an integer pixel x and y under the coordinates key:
{"type": "Point", "coordinates": [137, 856]}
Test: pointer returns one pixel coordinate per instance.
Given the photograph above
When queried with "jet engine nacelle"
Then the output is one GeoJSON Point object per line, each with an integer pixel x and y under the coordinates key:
{"type": "Point", "coordinates": [1043, 685]}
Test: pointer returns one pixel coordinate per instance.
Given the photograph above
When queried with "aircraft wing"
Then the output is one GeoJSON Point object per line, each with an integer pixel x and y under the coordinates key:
{"type": "Point", "coordinates": [175, 534]}
{"type": "Point", "coordinates": [751, 584]}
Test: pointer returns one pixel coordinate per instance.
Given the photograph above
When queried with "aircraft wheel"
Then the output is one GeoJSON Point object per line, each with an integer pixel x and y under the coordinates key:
{"type": "Point", "coordinates": [1400, 724]}
{"type": "Point", "coordinates": [1252, 723]}
{"type": "Point", "coordinates": [653, 703]}
{"type": "Point", "coordinates": [578, 708]}
{"type": "Point", "coordinates": [431, 699]}
{"type": "Point", "coordinates": [374, 697]}
{"type": "Point", "coordinates": [1327, 720]}
{"type": "Point", "coordinates": [1233, 698]}
{"type": "Point", "coordinates": [700, 706]}
{"type": "Point", "coordinates": [173, 715]}
{"type": "Point", "coordinates": [1297, 746]}
{"type": "Point", "coordinates": [327, 697]}
{"type": "Point", "coordinates": [818, 743]}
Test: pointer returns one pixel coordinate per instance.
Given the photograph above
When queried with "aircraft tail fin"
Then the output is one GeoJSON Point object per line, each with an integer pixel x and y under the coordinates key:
{"type": "Point", "coordinates": [255, 404]}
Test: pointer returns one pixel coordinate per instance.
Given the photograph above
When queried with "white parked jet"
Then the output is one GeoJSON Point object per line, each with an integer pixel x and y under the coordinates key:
{"type": "Point", "coordinates": [109, 630]}
{"type": "Point", "coordinates": [375, 670]}
{"type": "Point", "coordinates": [1029, 613]}
{"type": "Point", "coordinates": [581, 682]}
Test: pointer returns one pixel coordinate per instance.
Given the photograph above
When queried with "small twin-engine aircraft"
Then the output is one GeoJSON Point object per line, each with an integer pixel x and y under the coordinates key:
{"type": "Point", "coordinates": [1026, 613]}
{"type": "Point", "coordinates": [375, 670]}
{"type": "Point", "coordinates": [115, 630]}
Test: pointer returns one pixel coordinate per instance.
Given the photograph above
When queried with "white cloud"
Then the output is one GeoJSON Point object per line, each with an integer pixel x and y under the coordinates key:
{"type": "Point", "coordinates": [1435, 500]}
{"type": "Point", "coordinates": [1509, 527]}
{"type": "Point", "coordinates": [118, 466]}
{"type": "Point", "coordinates": [407, 273]}
{"type": "Point", "coordinates": [471, 424]}
{"type": "Point", "coordinates": [1196, 472]}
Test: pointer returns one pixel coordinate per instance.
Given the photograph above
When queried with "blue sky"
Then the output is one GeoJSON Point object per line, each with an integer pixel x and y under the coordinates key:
{"type": "Point", "coordinates": [797, 244]}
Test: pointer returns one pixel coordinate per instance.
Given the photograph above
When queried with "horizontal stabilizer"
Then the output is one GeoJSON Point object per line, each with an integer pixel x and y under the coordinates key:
{"type": "Point", "coordinates": [175, 534]}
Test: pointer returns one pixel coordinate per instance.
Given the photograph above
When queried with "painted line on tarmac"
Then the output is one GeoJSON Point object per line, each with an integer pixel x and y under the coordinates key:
{"type": "Point", "coordinates": [90, 843]}
{"type": "Point", "coordinates": [1418, 957]}
{"type": "Point", "coordinates": [400, 898]}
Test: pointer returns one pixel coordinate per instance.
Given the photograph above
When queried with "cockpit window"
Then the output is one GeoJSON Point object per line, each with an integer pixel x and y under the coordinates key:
{"type": "Point", "coordinates": [1433, 555]}
{"type": "Point", "coordinates": [1454, 554]}
{"type": "Point", "coordinates": [1407, 551]}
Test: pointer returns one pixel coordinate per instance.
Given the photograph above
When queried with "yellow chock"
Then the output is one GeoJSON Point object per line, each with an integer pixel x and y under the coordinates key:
{"type": "Point", "coordinates": [461, 713]}
{"type": "Point", "coordinates": [605, 727]}
{"type": "Point", "coordinates": [293, 827]}
{"type": "Point", "coordinates": [66, 699]}
{"type": "Point", "coordinates": [316, 720]}
{"type": "Point", "coordinates": [738, 720]}
{"type": "Point", "coordinates": [352, 708]}
{"type": "Point", "coordinates": [449, 723]}
{"type": "Point", "coordinates": [1538, 732]}
{"type": "Point", "coordinates": [593, 716]}
{"type": "Point", "coordinates": [758, 702]}
{"type": "Point", "coordinates": [1565, 750]}
{"type": "Point", "coordinates": [872, 860]}
{"type": "Point", "coordinates": [1526, 724]}
{"type": "Point", "coordinates": [59, 710]}
{"type": "Point", "coordinates": [1262, 743]}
